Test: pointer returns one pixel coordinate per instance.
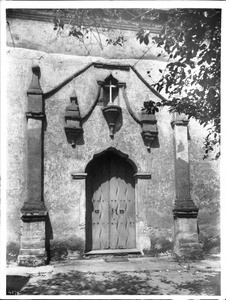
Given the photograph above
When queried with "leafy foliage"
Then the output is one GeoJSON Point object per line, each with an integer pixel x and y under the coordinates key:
{"type": "Point", "coordinates": [191, 79]}
{"type": "Point", "coordinates": [117, 41]}
{"type": "Point", "coordinates": [190, 38]}
{"type": "Point", "coordinates": [88, 21]}
{"type": "Point", "coordinates": [151, 107]}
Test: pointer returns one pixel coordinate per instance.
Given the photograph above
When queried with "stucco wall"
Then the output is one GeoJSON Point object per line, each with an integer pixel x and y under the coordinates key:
{"type": "Point", "coordinates": [39, 35]}
{"type": "Point", "coordinates": [65, 197]}
{"type": "Point", "coordinates": [155, 196]}
{"type": "Point", "coordinates": [205, 189]}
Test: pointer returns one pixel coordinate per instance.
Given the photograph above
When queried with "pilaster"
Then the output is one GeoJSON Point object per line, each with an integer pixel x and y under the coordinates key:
{"type": "Point", "coordinates": [185, 211]}
{"type": "Point", "coordinates": [33, 212]}
{"type": "Point", "coordinates": [142, 238]}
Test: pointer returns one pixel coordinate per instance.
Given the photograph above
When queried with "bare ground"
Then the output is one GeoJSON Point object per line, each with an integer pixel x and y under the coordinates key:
{"type": "Point", "coordinates": [133, 276]}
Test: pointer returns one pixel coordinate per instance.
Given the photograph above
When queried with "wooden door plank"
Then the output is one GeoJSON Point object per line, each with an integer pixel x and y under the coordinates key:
{"type": "Point", "coordinates": [95, 216]}
{"type": "Point", "coordinates": [122, 201]}
{"type": "Point", "coordinates": [122, 227]}
{"type": "Point", "coordinates": [114, 219]}
{"type": "Point", "coordinates": [104, 205]}
{"type": "Point", "coordinates": [100, 215]}
{"type": "Point", "coordinates": [89, 209]}
{"type": "Point", "coordinates": [130, 212]}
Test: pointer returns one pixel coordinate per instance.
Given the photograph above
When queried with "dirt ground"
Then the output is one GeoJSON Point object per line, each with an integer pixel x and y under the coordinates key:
{"type": "Point", "coordinates": [118, 276]}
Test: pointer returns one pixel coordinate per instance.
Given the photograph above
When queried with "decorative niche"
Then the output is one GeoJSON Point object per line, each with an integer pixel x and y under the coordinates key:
{"type": "Point", "coordinates": [110, 99]}
{"type": "Point", "coordinates": [73, 128]}
{"type": "Point", "coordinates": [110, 91]}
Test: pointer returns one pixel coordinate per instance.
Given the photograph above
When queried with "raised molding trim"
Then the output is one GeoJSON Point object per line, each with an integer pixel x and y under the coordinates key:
{"type": "Point", "coordinates": [100, 83]}
{"type": "Point", "coordinates": [47, 16]}
{"type": "Point", "coordinates": [78, 175]}
{"type": "Point", "coordinates": [179, 120]}
{"type": "Point", "coordinates": [32, 115]}
{"type": "Point", "coordinates": [34, 216]}
{"type": "Point", "coordinates": [143, 175]}
{"type": "Point", "coordinates": [180, 123]}
{"type": "Point", "coordinates": [111, 66]}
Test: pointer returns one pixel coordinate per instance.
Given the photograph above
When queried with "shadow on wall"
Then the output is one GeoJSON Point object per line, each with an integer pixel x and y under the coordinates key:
{"type": "Point", "coordinates": [154, 144]}
{"type": "Point", "coordinates": [66, 248]}
{"type": "Point", "coordinates": [211, 245]}
{"type": "Point", "coordinates": [62, 248]}
{"type": "Point", "coordinates": [58, 249]}
{"type": "Point", "coordinates": [118, 123]}
{"type": "Point", "coordinates": [48, 237]}
{"type": "Point", "coordinates": [159, 246]}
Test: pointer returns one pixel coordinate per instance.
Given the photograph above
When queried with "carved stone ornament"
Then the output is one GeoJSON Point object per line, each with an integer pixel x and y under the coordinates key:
{"type": "Point", "coordinates": [149, 128]}
{"type": "Point", "coordinates": [111, 114]}
{"type": "Point", "coordinates": [111, 111]}
{"type": "Point", "coordinates": [73, 126]}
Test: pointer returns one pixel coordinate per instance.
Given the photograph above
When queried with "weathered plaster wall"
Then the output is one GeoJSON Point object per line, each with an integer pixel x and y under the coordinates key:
{"type": "Point", "coordinates": [17, 82]}
{"type": "Point", "coordinates": [205, 189]}
{"type": "Point", "coordinates": [64, 202]}
{"type": "Point", "coordinates": [40, 36]}
{"type": "Point", "coordinates": [65, 197]}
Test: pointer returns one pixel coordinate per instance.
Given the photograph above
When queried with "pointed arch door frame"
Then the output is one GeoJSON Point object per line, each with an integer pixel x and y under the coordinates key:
{"type": "Point", "coordinates": [110, 203]}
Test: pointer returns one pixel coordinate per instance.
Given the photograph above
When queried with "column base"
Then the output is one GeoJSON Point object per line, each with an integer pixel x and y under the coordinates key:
{"type": "Point", "coordinates": [186, 244]}
{"type": "Point", "coordinates": [33, 239]}
{"type": "Point", "coordinates": [32, 258]}
{"type": "Point", "coordinates": [188, 251]}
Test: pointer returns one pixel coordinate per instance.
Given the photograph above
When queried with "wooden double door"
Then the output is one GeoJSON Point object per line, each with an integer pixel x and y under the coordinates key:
{"type": "Point", "coordinates": [110, 203]}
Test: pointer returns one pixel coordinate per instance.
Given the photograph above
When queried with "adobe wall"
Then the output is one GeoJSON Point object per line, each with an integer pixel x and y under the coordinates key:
{"type": "Point", "coordinates": [64, 197]}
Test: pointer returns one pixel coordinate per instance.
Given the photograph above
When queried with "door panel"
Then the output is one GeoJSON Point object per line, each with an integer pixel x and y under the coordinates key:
{"type": "Point", "coordinates": [100, 212]}
{"type": "Point", "coordinates": [112, 203]}
{"type": "Point", "coordinates": [122, 229]}
{"type": "Point", "coordinates": [130, 211]}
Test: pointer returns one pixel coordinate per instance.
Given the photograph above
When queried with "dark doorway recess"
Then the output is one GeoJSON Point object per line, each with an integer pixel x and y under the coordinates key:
{"type": "Point", "coordinates": [110, 204]}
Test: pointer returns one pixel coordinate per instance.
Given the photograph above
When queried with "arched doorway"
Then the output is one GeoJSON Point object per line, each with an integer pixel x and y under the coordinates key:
{"type": "Point", "coordinates": [110, 203]}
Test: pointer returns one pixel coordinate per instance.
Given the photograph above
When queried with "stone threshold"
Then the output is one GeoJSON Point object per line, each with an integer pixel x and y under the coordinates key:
{"type": "Point", "coordinates": [113, 252]}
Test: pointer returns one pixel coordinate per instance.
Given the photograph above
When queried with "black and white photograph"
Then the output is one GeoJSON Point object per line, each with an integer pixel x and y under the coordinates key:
{"type": "Point", "coordinates": [111, 150]}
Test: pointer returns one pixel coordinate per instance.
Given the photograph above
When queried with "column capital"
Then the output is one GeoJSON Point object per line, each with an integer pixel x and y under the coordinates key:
{"type": "Point", "coordinates": [33, 115]}
{"type": "Point", "coordinates": [185, 209]}
{"type": "Point", "coordinates": [35, 93]}
{"type": "Point", "coordinates": [179, 120]}
{"type": "Point", "coordinates": [31, 207]}
{"type": "Point", "coordinates": [35, 87]}
{"type": "Point", "coordinates": [34, 216]}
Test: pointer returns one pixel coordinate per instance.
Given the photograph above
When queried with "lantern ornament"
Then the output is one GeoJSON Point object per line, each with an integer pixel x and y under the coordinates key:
{"type": "Point", "coordinates": [73, 126]}
{"type": "Point", "coordinates": [111, 111]}
{"type": "Point", "coordinates": [149, 123]}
